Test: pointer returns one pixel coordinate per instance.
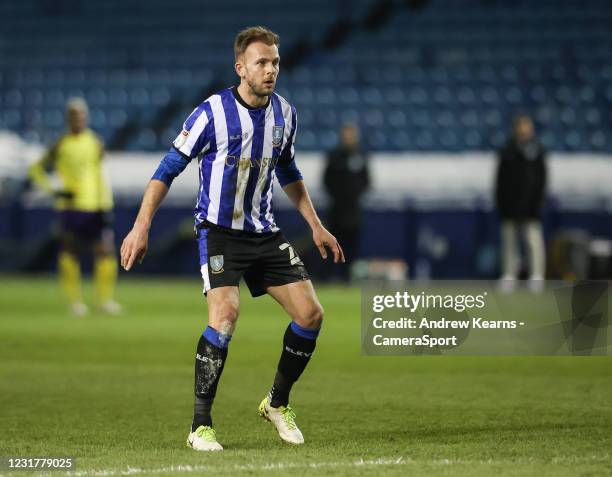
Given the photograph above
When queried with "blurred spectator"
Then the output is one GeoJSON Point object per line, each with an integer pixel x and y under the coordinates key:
{"type": "Point", "coordinates": [346, 179]}
{"type": "Point", "coordinates": [520, 191]}
{"type": "Point", "coordinates": [84, 202]}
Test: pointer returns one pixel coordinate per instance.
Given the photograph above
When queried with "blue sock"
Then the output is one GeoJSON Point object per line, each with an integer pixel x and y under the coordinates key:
{"type": "Point", "coordinates": [217, 338]}
{"type": "Point", "coordinates": [307, 333]}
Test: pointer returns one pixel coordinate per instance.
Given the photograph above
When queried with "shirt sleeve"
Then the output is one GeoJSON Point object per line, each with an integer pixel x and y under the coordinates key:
{"type": "Point", "coordinates": [39, 171]}
{"type": "Point", "coordinates": [170, 167]}
{"type": "Point", "coordinates": [286, 168]}
{"type": "Point", "coordinates": [195, 136]}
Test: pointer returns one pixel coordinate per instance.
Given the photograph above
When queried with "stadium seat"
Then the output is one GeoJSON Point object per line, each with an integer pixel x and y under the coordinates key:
{"type": "Point", "coordinates": [441, 66]}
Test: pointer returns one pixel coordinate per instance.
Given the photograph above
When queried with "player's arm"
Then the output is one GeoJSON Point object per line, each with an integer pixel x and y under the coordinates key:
{"type": "Point", "coordinates": [298, 194]}
{"type": "Point", "coordinates": [39, 171]}
{"type": "Point", "coordinates": [541, 177]}
{"type": "Point", "coordinates": [290, 178]}
{"type": "Point", "coordinates": [135, 244]}
{"type": "Point", "coordinates": [101, 148]}
{"type": "Point", "coordinates": [192, 140]}
{"type": "Point", "coordinates": [500, 175]}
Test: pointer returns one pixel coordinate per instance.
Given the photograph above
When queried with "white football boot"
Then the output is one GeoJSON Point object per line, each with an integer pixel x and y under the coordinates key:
{"type": "Point", "coordinates": [283, 419]}
{"type": "Point", "coordinates": [111, 307]}
{"type": "Point", "coordinates": [203, 438]}
{"type": "Point", "coordinates": [79, 309]}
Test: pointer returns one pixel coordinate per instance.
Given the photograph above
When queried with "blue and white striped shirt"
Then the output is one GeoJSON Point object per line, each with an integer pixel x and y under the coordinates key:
{"type": "Point", "coordinates": [241, 149]}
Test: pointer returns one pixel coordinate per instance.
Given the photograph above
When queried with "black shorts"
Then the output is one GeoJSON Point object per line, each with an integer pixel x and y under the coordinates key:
{"type": "Point", "coordinates": [86, 226]}
{"type": "Point", "coordinates": [263, 260]}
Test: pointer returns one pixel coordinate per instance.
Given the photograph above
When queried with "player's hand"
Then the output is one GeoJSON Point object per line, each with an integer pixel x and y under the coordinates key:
{"type": "Point", "coordinates": [63, 194]}
{"type": "Point", "coordinates": [322, 238]}
{"type": "Point", "coordinates": [134, 247]}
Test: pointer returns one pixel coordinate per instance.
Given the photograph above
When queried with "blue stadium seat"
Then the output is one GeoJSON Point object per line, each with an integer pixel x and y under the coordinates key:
{"type": "Point", "coordinates": [450, 75]}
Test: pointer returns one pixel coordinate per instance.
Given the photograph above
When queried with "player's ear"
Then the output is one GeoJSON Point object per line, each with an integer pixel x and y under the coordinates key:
{"type": "Point", "coordinates": [239, 67]}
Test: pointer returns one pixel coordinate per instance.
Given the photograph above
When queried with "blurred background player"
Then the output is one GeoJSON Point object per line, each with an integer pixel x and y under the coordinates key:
{"type": "Point", "coordinates": [84, 203]}
{"type": "Point", "coordinates": [346, 179]}
{"type": "Point", "coordinates": [520, 191]}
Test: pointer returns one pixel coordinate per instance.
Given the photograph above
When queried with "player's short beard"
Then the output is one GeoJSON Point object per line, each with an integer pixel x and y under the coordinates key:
{"type": "Point", "coordinates": [256, 90]}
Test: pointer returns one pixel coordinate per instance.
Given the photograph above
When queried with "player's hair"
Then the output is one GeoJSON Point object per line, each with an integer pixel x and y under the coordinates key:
{"type": "Point", "coordinates": [76, 103]}
{"type": "Point", "coordinates": [252, 34]}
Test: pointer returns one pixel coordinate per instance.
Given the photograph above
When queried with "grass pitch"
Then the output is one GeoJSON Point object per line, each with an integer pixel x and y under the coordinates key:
{"type": "Point", "coordinates": [116, 393]}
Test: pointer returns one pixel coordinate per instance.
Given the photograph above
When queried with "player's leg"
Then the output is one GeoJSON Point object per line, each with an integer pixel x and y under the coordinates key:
{"type": "Point", "coordinates": [212, 348]}
{"type": "Point", "coordinates": [534, 240]}
{"type": "Point", "coordinates": [509, 255]}
{"type": "Point", "coordinates": [68, 263]}
{"type": "Point", "coordinates": [69, 268]}
{"type": "Point", "coordinates": [211, 354]}
{"type": "Point", "coordinates": [223, 260]}
{"type": "Point", "coordinates": [105, 268]}
{"type": "Point", "coordinates": [300, 301]}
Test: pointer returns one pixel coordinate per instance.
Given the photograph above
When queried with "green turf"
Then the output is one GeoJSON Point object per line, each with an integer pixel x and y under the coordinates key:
{"type": "Point", "coordinates": [117, 394]}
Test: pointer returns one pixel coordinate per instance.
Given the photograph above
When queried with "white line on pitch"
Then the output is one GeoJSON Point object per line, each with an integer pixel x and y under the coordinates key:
{"type": "Point", "coordinates": [235, 468]}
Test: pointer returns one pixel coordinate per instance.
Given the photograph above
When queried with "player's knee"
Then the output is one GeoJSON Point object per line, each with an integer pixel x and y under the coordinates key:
{"type": "Point", "coordinates": [101, 249]}
{"type": "Point", "coordinates": [226, 313]}
{"type": "Point", "coordinates": [69, 246]}
{"type": "Point", "coordinates": [311, 316]}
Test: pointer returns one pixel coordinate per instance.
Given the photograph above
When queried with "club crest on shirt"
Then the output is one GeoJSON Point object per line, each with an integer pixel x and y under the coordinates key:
{"type": "Point", "coordinates": [216, 263]}
{"type": "Point", "coordinates": [277, 135]}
